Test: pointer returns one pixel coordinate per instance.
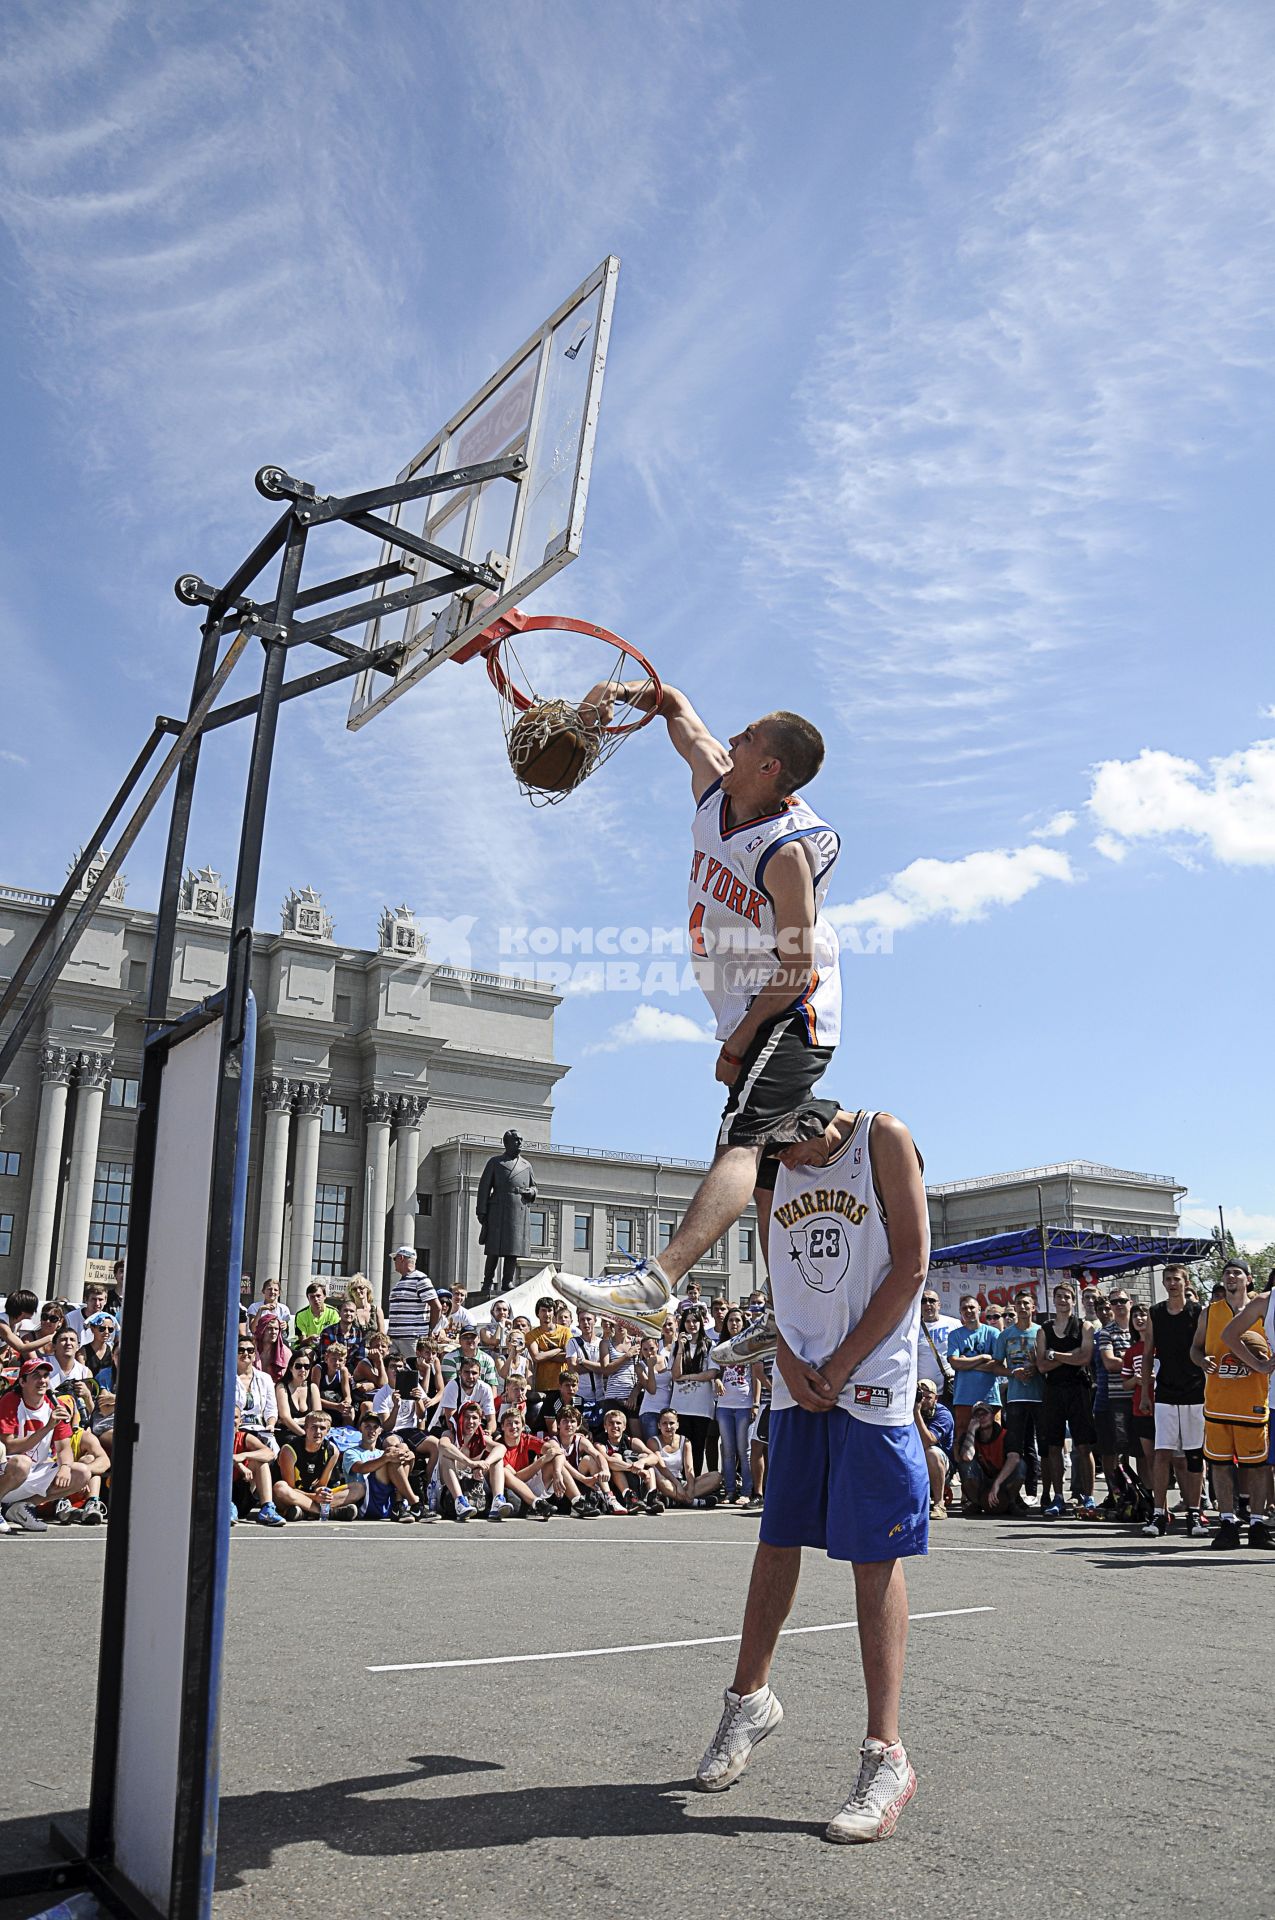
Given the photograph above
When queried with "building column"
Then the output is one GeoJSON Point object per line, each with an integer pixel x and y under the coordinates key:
{"type": "Point", "coordinates": [94, 1072]}
{"type": "Point", "coordinates": [277, 1094]}
{"type": "Point", "coordinates": [408, 1109]}
{"type": "Point", "coordinates": [57, 1064]}
{"type": "Point", "coordinates": [378, 1114]}
{"type": "Point", "coordinates": [308, 1105]}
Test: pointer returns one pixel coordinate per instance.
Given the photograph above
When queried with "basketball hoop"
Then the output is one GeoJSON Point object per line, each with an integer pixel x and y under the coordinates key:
{"type": "Point", "coordinates": [554, 743]}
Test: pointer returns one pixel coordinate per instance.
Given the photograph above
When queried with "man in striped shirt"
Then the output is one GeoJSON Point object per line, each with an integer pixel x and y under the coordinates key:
{"type": "Point", "coordinates": [412, 1303]}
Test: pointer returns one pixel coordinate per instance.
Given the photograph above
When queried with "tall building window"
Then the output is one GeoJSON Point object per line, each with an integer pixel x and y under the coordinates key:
{"type": "Point", "coordinates": [108, 1223]}
{"type": "Point", "coordinates": [122, 1092]}
{"type": "Point", "coordinates": [623, 1236]}
{"type": "Point", "coordinates": [746, 1245]}
{"type": "Point", "coordinates": [667, 1230]}
{"type": "Point", "coordinates": [11, 1163]}
{"type": "Point", "coordinates": [582, 1233]}
{"type": "Point", "coordinates": [331, 1227]}
{"type": "Point", "coordinates": [6, 1233]}
{"type": "Point", "coordinates": [538, 1226]}
{"type": "Point", "coordinates": [336, 1118]}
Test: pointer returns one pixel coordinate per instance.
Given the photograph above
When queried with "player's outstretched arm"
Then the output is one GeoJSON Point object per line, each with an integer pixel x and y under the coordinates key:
{"type": "Point", "coordinates": [706, 757]}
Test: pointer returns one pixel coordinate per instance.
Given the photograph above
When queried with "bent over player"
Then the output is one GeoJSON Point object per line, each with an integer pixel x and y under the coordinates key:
{"type": "Point", "coordinates": [765, 957]}
{"type": "Point", "coordinates": [849, 1247]}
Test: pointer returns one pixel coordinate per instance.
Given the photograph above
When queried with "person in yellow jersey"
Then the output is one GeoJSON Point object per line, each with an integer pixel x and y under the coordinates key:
{"type": "Point", "coordinates": [1258, 1317]}
{"type": "Point", "coordinates": [1236, 1405]}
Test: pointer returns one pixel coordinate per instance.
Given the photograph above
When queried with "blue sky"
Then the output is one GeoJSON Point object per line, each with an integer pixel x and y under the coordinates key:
{"type": "Point", "coordinates": [938, 408]}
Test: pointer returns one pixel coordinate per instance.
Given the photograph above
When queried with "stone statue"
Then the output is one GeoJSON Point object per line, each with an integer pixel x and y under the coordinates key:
{"type": "Point", "coordinates": [505, 1191]}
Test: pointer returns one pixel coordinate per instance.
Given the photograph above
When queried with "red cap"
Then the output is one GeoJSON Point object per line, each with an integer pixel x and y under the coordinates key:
{"type": "Point", "coordinates": [32, 1364]}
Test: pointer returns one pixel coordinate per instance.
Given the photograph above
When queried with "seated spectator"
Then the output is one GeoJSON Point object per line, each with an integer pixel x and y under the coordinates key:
{"type": "Point", "coordinates": [316, 1316]}
{"type": "Point", "coordinates": [567, 1394]}
{"type": "Point", "coordinates": [271, 1302]}
{"type": "Point", "coordinates": [466, 1459]}
{"type": "Point", "coordinates": [345, 1332]}
{"type": "Point", "coordinates": [368, 1318]}
{"type": "Point", "coordinates": [631, 1464]}
{"type": "Point", "coordinates": [406, 1404]}
{"type": "Point", "coordinates": [88, 1450]}
{"type": "Point", "coordinates": [295, 1396]}
{"type": "Point", "coordinates": [514, 1361]}
{"type": "Point", "coordinates": [251, 1463]}
{"type": "Point", "coordinates": [255, 1398]}
{"type": "Point", "coordinates": [94, 1301]}
{"type": "Point", "coordinates": [988, 1480]}
{"type": "Point", "coordinates": [588, 1466]}
{"type": "Point", "coordinates": [39, 1462]}
{"type": "Point", "coordinates": [380, 1464]}
{"type": "Point", "coordinates": [467, 1385]}
{"type": "Point", "coordinates": [675, 1476]}
{"type": "Point", "coordinates": [531, 1468]}
{"type": "Point", "coordinates": [98, 1352]}
{"type": "Point", "coordinates": [937, 1429]}
{"type": "Point", "coordinates": [466, 1348]}
{"type": "Point", "coordinates": [513, 1397]}
{"type": "Point", "coordinates": [309, 1486]}
{"type": "Point", "coordinates": [21, 1333]}
{"type": "Point", "coordinates": [332, 1378]}
{"type": "Point", "coordinates": [69, 1371]}
{"type": "Point", "coordinates": [494, 1337]}
{"type": "Point", "coordinates": [456, 1320]}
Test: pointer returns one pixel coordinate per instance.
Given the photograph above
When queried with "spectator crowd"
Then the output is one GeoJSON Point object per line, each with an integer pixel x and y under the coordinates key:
{"type": "Point", "coordinates": [344, 1412]}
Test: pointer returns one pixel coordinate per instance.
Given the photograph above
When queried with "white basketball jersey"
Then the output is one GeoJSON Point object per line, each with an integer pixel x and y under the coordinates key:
{"type": "Point", "coordinates": [829, 1252]}
{"type": "Point", "coordinates": [734, 942]}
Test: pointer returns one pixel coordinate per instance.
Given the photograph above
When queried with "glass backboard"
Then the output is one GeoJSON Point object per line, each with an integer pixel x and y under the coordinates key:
{"type": "Point", "coordinates": [543, 403]}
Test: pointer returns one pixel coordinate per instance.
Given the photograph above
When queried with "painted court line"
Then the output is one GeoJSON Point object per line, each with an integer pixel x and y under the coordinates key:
{"type": "Point", "coordinates": [647, 1646]}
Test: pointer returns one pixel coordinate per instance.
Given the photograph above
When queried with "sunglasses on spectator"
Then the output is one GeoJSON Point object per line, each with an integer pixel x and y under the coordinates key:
{"type": "Point", "coordinates": [1119, 1299]}
{"type": "Point", "coordinates": [246, 1346]}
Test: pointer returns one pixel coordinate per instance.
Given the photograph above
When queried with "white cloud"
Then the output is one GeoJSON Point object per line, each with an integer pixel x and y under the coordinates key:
{"type": "Point", "coordinates": [1226, 809]}
{"type": "Point", "coordinates": [14, 759]}
{"type": "Point", "coordinates": [647, 1025]}
{"type": "Point", "coordinates": [1110, 848]}
{"type": "Point", "coordinates": [1069, 330]}
{"type": "Point", "coordinates": [1057, 828]}
{"type": "Point", "coordinates": [957, 890]}
{"type": "Point", "coordinates": [1252, 1229]}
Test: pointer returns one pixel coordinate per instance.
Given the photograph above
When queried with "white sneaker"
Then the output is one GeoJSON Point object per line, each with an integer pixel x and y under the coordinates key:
{"type": "Point", "coordinates": [21, 1516]}
{"type": "Point", "coordinates": [643, 1297]}
{"type": "Point", "coordinates": [738, 1732]}
{"type": "Point", "coordinates": [885, 1785]}
{"type": "Point", "coordinates": [754, 1343]}
{"type": "Point", "coordinates": [4, 1524]}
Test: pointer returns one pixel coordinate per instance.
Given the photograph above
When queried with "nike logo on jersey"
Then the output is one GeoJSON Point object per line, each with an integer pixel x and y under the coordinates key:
{"type": "Point", "coordinates": [725, 886]}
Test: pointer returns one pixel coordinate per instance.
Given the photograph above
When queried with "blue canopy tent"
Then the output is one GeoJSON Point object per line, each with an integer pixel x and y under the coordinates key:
{"type": "Point", "coordinates": [1068, 1247]}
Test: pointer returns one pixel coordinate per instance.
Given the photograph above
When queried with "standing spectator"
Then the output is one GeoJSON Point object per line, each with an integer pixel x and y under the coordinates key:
{"type": "Point", "coordinates": [494, 1337]}
{"type": "Point", "coordinates": [547, 1342]}
{"type": "Point", "coordinates": [368, 1317]}
{"type": "Point", "coordinates": [734, 1414]}
{"type": "Point", "coordinates": [619, 1367]}
{"type": "Point", "coordinates": [1258, 1317]}
{"type": "Point", "coordinates": [316, 1316]}
{"type": "Point", "coordinates": [271, 1342]}
{"type": "Point", "coordinates": [94, 1301]}
{"type": "Point", "coordinates": [935, 1330]}
{"type": "Point", "coordinates": [1113, 1407]}
{"type": "Point", "coordinates": [1143, 1424]}
{"type": "Point", "coordinates": [1179, 1402]}
{"type": "Point", "coordinates": [1064, 1352]}
{"type": "Point", "coordinates": [759, 1433]}
{"type": "Point", "coordinates": [937, 1429]}
{"type": "Point", "coordinates": [971, 1353]}
{"type": "Point", "coordinates": [413, 1304]}
{"type": "Point", "coordinates": [1236, 1411]}
{"type": "Point", "coordinates": [1016, 1357]}
{"type": "Point", "coordinates": [655, 1378]}
{"type": "Point", "coordinates": [694, 1400]}
{"type": "Point", "coordinates": [584, 1353]}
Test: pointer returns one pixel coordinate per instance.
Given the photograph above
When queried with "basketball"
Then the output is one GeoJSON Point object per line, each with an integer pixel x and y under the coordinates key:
{"type": "Point", "coordinates": [553, 757]}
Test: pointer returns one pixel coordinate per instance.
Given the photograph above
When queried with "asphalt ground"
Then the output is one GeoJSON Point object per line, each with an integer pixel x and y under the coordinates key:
{"type": "Point", "coordinates": [1090, 1717]}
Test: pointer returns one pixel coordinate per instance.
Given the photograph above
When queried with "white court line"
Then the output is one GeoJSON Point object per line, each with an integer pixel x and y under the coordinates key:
{"type": "Point", "coordinates": [646, 1646]}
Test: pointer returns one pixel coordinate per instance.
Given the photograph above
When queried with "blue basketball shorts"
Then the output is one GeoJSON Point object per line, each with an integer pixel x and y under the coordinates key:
{"type": "Point", "coordinates": [378, 1500]}
{"type": "Point", "coordinates": [861, 1492]}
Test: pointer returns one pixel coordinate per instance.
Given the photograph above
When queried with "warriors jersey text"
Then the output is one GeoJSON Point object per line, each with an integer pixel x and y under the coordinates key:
{"type": "Point", "coordinates": [734, 940]}
{"type": "Point", "coordinates": [829, 1252]}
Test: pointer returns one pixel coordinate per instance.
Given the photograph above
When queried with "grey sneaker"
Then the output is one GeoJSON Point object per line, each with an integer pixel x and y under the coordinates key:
{"type": "Point", "coordinates": [731, 1747]}
{"type": "Point", "coordinates": [19, 1514]}
{"type": "Point", "coordinates": [754, 1343]}
{"type": "Point", "coordinates": [885, 1785]}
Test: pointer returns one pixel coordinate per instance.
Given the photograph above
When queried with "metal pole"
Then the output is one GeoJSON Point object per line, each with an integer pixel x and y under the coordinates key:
{"type": "Point", "coordinates": [195, 1838]}
{"type": "Point", "coordinates": [1044, 1248]}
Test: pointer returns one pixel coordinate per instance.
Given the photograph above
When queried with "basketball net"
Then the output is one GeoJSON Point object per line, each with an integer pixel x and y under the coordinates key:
{"type": "Point", "coordinates": [536, 721]}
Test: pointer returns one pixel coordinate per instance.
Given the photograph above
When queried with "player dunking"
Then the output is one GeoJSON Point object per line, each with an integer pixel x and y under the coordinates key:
{"type": "Point", "coordinates": [766, 958]}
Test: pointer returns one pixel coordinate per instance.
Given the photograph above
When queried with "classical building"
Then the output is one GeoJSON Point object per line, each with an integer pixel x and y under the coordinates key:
{"type": "Point", "coordinates": [1074, 1193]}
{"type": "Point", "coordinates": [383, 1083]}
